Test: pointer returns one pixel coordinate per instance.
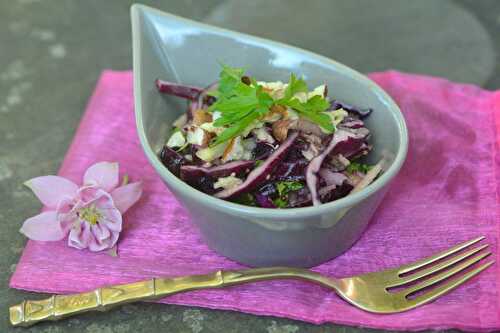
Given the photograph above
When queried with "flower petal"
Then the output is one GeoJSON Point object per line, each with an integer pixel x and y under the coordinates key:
{"type": "Point", "coordinates": [100, 238]}
{"type": "Point", "coordinates": [51, 190]}
{"type": "Point", "coordinates": [102, 174]}
{"type": "Point", "coordinates": [112, 219]}
{"type": "Point", "coordinates": [125, 196]}
{"type": "Point", "coordinates": [80, 236]}
{"type": "Point", "coordinates": [111, 216]}
{"type": "Point", "coordinates": [99, 245]}
{"type": "Point", "coordinates": [43, 227]}
{"type": "Point", "coordinates": [100, 233]}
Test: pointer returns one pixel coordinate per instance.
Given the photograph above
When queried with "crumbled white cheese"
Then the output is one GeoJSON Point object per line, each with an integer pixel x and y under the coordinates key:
{"type": "Point", "coordinates": [291, 114]}
{"type": "Point", "coordinates": [343, 160]}
{"type": "Point", "coordinates": [227, 182]}
{"type": "Point", "coordinates": [249, 144]}
{"type": "Point", "coordinates": [189, 157]}
{"type": "Point", "coordinates": [234, 151]}
{"type": "Point", "coordinates": [318, 91]}
{"type": "Point", "coordinates": [305, 96]}
{"type": "Point", "coordinates": [176, 140]}
{"type": "Point", "coordinates": [275, 85]}
{"type": "Point", "coordinates": [263, 136]}
{"type": "Point", "coordinates": [277, 88]}
{"type": "Point", "coordinates": [308, 154]}
{"type": "Point", "coordinates": [255, 124]}
{"type": "Point", "coordinates": [247, 155]}
{"type": "Point", "coordinates": [181, 121]}
{"type": "Point", "coordinates": [337, 116]}
{"type": "Point", "coordinates": [211, 153]}
{"type": "Point", "coordinates": [196, 135]}
{"type": "Point", "coordinates": [311, 152]}
{"type": "Point", "coordinates": [301, 96]}
{"type": "Point", "coordinates": [209, 127]}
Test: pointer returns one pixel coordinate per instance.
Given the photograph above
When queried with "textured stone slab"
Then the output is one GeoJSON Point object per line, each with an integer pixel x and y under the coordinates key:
{"type": "Point", "coordinates": [430, 37]}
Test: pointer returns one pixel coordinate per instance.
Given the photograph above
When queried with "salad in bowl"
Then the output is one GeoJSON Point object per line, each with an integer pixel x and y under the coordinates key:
{"type": "Point", "coordinates": [242, 144]}
{"type": "Point", "coordinates": [268, 144]}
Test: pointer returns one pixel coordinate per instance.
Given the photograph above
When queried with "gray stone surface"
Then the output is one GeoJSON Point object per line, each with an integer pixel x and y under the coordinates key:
{"type": "Point", "coordinates": [51, 54]}
{"type": "Point", "coordinates": [429, 37]}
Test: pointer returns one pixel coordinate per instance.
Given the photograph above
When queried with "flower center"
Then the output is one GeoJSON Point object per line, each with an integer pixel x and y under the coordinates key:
{"type": "Point", "coordinates": [90, 214]}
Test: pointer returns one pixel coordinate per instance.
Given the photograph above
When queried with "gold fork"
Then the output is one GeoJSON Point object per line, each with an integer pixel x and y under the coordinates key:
{"type": "Point", "coordinates": [371, 292]}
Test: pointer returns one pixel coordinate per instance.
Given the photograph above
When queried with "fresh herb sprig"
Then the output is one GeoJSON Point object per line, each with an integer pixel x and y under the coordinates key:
{"type": "Point", "coordinates": [313, 109]}
{"type": "Point", "coordinates": [240, 104]}
{"type": "Point", "coordinates": [284, 188]}
{"type": "Point", "coordinates": [356, 166]}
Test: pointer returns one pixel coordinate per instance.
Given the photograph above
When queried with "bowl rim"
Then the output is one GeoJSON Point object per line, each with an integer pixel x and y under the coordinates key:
{"type": "Point", "coordinates": [250, 211]}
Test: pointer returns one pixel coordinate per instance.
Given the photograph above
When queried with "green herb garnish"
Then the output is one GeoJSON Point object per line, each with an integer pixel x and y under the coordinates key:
{"type": "Point", "coordinates": [287, 186]}
{"type": "Point", "coordinates": [284, 188]}
{"type": "Point", "coordinates": [241, 104]}
{"type": "Point", "coordinates": [246, 199]}
{"type": "Point", "coordinates": [280, 202]}
{"type": "Point", "coordinates": [312, 109]}
{"type": "Point", "coordinates": [361, 167]}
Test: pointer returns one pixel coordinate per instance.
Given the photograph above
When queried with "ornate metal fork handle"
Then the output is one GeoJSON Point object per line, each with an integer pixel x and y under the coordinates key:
{"type": "Point", "coordinates": [443, 271]}
{"type": "Point", "coordinates": [60, 306]}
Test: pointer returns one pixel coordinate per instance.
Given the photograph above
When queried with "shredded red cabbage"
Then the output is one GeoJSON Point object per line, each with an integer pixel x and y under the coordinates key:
{"type": "Point", "coordinates": [259, 174]}
{"type": "Point", "coordinates": [237, 167]}
{"type": "Point", "coordinates": [316, 163]}
{"type": "Point", "coordinates": [179, 90]}
{"type": "Point", "coordinates": [339, 141]}
{"type": "Point", "coordinates": [172, 160]}
{"type": "Point", "coordinates": [361, 113]}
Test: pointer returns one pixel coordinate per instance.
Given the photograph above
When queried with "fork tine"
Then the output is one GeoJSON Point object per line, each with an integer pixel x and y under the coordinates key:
{"type": "Point", "coordinates": [429, 260]}
{"type": "Point", "coordinates": [436, 268]}
{"type": "Point", "coordinates": [441, 290]}
{"type": "Point", "coordinates": [444, 275]}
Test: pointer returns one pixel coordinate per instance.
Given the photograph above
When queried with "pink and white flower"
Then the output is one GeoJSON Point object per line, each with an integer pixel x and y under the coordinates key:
{"type": "Point", "coordinates": [91, 214]}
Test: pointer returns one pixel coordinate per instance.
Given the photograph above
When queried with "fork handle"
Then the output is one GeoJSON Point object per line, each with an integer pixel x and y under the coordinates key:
{"type": "Point", "coordinates": [61, 306]}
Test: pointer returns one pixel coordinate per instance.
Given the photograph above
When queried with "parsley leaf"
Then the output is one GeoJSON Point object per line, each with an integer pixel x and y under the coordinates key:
{"type": "Point", "coordinates": [317, 104]}
{"type": "Point", "coordinates": [361, 167]}
{"type": "Point", "coordinates": [294, 86]}
{"type": "Point", "coordinates": [284, 188]}
{"type": "Point", "coordinates": [241, 104]}
{"type": "Point", "coordinates": [322, 119]}
{"type": "Point", "coordinates": [235, 129]}
{"type": "Point", "coordinates": [312, 109]}
{"type": "Point", "coordinates": [280, 203]}
{"type": "Point", "coordinates": [229, 78]}
{"type": "Point", "coordinates": [246, 199]}
{"type": "Point", "coordinates": [287, 186]}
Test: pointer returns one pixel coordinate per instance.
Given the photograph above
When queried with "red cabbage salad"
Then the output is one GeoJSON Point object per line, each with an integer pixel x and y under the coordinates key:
{"type": "Point", "coordinates": [268, 144]}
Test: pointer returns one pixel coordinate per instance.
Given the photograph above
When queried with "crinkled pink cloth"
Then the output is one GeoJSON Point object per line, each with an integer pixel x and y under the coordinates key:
{"type": "Point", "coordinates": [447, 192]}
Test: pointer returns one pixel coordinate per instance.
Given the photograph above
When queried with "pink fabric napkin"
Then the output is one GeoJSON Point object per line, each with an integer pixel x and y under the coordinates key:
{"type": "Point", "coordinates": [447, 192]}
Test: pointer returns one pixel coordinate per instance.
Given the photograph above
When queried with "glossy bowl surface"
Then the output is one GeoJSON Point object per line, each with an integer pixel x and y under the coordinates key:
{"type": "Point", "coordinates": [176, 49]}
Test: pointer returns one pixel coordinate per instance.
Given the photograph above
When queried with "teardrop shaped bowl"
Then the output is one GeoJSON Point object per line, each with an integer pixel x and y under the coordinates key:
{"type": "Point", "coordinates": [176, 49]}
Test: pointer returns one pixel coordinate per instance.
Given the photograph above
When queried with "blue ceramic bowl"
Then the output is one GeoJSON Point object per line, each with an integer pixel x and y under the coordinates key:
{"type": "Point", "coordinates": [176, 49]}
